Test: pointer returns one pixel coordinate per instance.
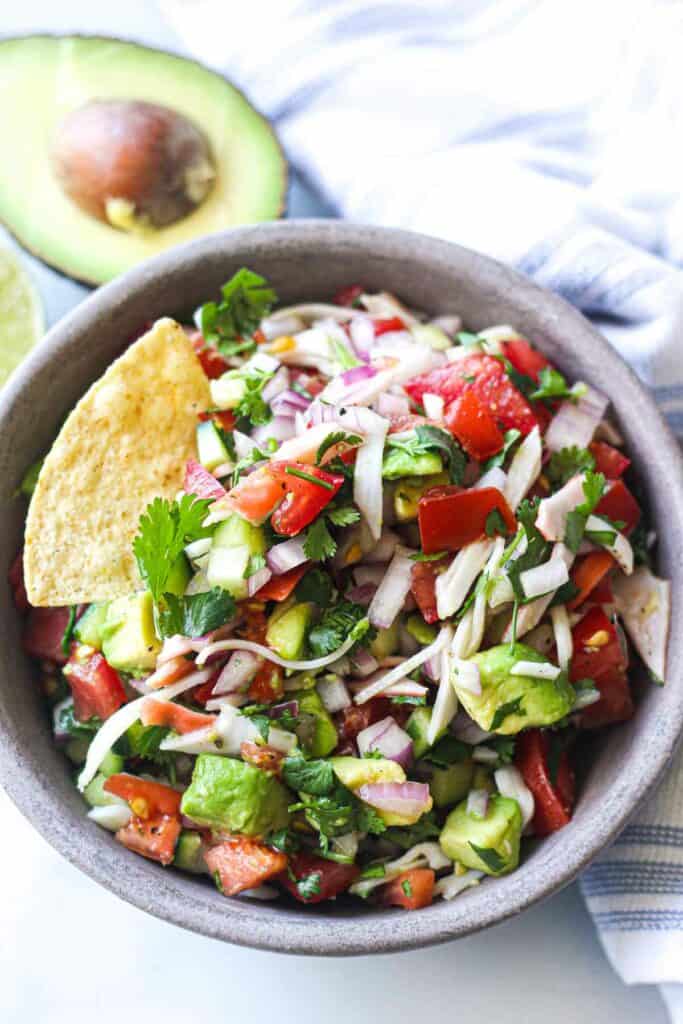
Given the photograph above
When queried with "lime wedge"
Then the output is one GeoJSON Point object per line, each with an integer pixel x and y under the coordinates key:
{"type": "Point", "coordinates": [21, 314]}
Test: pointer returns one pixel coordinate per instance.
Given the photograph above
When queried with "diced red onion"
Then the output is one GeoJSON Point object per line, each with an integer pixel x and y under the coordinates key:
{"type": "Point", "coordinates": [357, 373]}
{"type": "Point", "coordinates": [433, 406]}
{"type": "Point", "coordinates": [551, 519]}
{"type": "Point", "coordinates": [263, 362]}
{"type": "Point", "coordinates": [363, 594]}
{"type": "Point", "coordinates": [334, 694]}
{"type": "Point", "coordinates": [258, 580]}
{"type": "Point", "coordinates": [369, 736]}
{"type": "Point", "coordinates": [383, 550]}
{"type": "Point", "coordinates": [409, 799]}
{"type": "Point", "coordinates": [432, 667]}
{"type": "Point", "coordinates": [280, 428]}
{"type": "Point", "coordinates": [468, 731]}
{"type": "Point", "coordinates": [389, 739]}
{"type": "Point", "coordinates": [392, 405]}
{"type": "Point", "coordinates": [363, 664]}
{"type": "Point", "coordinates": [176, 646]}
{"type": "Point", "coordinates": [575, 423]}
{"type": "Point", "coordinates": [407, 643]}
{"type": "Point", "coordinates": [278, 383]}
{"type": "Point", "coordinates": [477, 803]}
{"type": "Point", "coordinates": [362, 335]}
{"type": "Point", "coordinates": [236, 673]}
{"type": "Point", "coordinates": [289, 707]}
{"type": "Point", "coordinates": [511, 784]}
{"type": "Point", "coordinates": [199, 481]}
{"type": "Point", "coordinates": [243, 444]}
{"type": "Point", "coordinates": [285, 556]}
{"type": "Point", "coordinates": [288, 402]}
{"type": "Point", "coordinates": [369, 574]}
{"type": "Point", "coordinates": [392, 591]}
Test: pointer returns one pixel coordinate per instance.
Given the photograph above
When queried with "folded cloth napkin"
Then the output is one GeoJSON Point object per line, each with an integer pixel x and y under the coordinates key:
{"type": "Point", "coordinates": [548, 135]}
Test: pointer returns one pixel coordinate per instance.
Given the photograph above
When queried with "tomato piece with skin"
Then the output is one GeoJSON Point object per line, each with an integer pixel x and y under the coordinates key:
{"type": "Point", "coordinates": [154, 838]}
{"type": "Point", "coordinates": [255, 496]}
{"type": "Point", "coordinates": [608, 460]}
{"type": "Point", "coordinates": [43, 633]}
{"type": "Point", "coordinates": [268, 759]}
{"type": "Point", "coordinates": [602, 593]}
{"type": "Point", "coordinates": [597, 648]}
{"type": "Point", "coordinates": [200, 694]}
{"type": "Point", "coordinates": [278, 588]}
{"type": "Point", "coordinates": [200, 482]}
{"type": "Point", "coordinates": [223, 418]}
{"type": "Point", "coordinates": [587, 573]}
{"type": "Point", "coordinates": [173, 716]}
{"type": "Point", "coordinates": [412, 890]}
{"type": "Point", "coordinates": [267, 685]}
{"type": "Point", "coordinates": [239, 862]}
{"type": "Point", "coordinates": [348, 296]}
{"type": "Point", "coordinates": [387, 324]}
{"type": "Point", "coordinates": [147, 799]}
{"type": "Point", "coordinates": [619, 505]}
{"type": "Point", "coordinates": [473, 426]}
{"type": "Point", "coordinates": [423, 587]}
{"type": "Point", "coordinates": [96, 687]}
{"type": "Point", "coordinates": [524, 357]}
{"type": "Point", "coordinates": [450, 517]}
{"type": "Point", "coordinates": [325, 876]}
{"type": "Point", "coordinates": [486, 376]}
{"type": "Point", "coordinates": [553, 798]}
{"type": "Point", "coordinates": [304, 500]}
{"type": "Point", "coordinates": [212, 362]}
{"type": "Point", "coordinates": [615, 704]}
{"type": "Point", "coordinates": [15, 578]}
{"type": "Point", "coordinates": [354, 719]}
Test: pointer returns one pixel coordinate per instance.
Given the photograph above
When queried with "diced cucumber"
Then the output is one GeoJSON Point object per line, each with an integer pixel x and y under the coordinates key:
{"type": "Point", "coordinates": [450, 785]}
{"type": "Point", "coordinates": [88, 629]}
{"type": "Point", "coordinates": [178, 577]}
{"type": "Point", "coordinates": [210, 446]}
{"type": "Point", "coordinates": [228, 391]}
{"type": "Point", "coordinates": [236, 532]}
{"type": "Point", "coordinates": [97, 796]}
{"type": "Point", "coordinates": [189, 853]}
{"type": "Point", "coordinates": [417, 728]}
{"type": "Point", "coordinates": [286, 630]}
{"type": "Point", "coordinates": [226, 569]}
{"type": "Point", "coordinates": [111, 764]}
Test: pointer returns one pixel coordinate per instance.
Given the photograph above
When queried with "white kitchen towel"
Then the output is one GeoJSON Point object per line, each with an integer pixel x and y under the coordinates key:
{"type": "Point", "coordinates": [545, 133]}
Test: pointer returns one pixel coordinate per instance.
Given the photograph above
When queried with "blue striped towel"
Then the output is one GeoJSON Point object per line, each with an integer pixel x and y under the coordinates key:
{"type": "Point", "coordinates": [546, 134]}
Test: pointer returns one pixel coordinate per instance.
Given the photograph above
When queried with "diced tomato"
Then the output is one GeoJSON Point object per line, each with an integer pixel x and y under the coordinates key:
{"type": "Point", "coordinates": [256, 495]}
{"type": "Point", "coordinates": [597, 648]}
{"type": "Point", "coordinates": [15, 577]}
{"type": "Point", "coordinates": [223, 418]}
{"type": "Point", "coordinates": [524, 357]}
{"type": "Point", "coordinates": [587, 573]}
{"type": "Point", "coordinates": [412, 890]}
{"type": "Point", "coordinates": [200, 694]}
{"type": "Point", "coordinates": [602, 594]}
{"type": "Point", "coordinates": [354, 719]}
{"type": "Point", "coordinates": [615, 704]}
{"type": "Point", "coordinates": [384, 326]}
{"type": "Point", "coordinates": [450, 518]}
{"type": "Point", "coordinates": [309, 380]}
{"type": "Point", "coordinates": [268, 759]}
{"type": "Point", "coordinates": [200, 482]}
{"type": "Point", "coordinates": [154, 838]}
{"type": "Point", "coordinates": [278, 588]}
{"type": "Point", "coordinates": [255, 624]}
{"type": "Point", "coordinates": [486, 376]}
{"type": "Point", "coordinates": [304, 499]}
{"type": "Point", "coordinates": [553, 798]}
{"type": "Point", "coordinates": [423, 587]}
{"type": "Point", "coordinates": [44, 632]}
{"type": "Point", "coordinates": [473, 425]}
{"type": "Point", "coordinates": [147, 799]}
{"type": "Point", "coordinates": [267, 685]}
{"type": "Point", "coordinates": [96, 687]}
{"type": "Point", "coordinates": [348, 296]}
{"type": "Point", "coordinates": [173, 716]}
{"type": "Point", "coordinates": [170, 672]}
{"type": "Point", "coordinates": [619, 505]}
{"type": "Point", "coordinates": [609, 460]}
{"type": "Point", "coordinates": [325, 876]}
{"type": "Point", "coordinates": [240, 863]}
{"type": "Point", "coordinates": [212, 362]}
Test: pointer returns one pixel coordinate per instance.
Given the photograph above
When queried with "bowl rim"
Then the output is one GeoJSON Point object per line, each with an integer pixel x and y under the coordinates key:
{"type": "Point", "coordinates": [239, 922]}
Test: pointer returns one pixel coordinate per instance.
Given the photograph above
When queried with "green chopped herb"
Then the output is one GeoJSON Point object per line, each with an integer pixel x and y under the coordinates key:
{"type": "Point", "coordinates": [511, 707]}
{"type": "Point", "coordinates": [292, 471]}
{"type": "Point", "coordinates": [165, 528]}
{"type": "Point", "coordinates": [194, 615]}
{"type": "Point", "coordinates": [493, 860]}
{"type": "Point", "coordinates": [228, 324]}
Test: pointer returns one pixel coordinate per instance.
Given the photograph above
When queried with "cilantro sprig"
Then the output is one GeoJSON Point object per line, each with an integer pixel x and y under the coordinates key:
{"type": "Point", "coordinates": [246, 299]}
{"type": "Point", "coordinates": [336, 624]}
{"type": "Point", "coordinates": [194, 615]}
{"type": "Point", "coordinates": [164, 529]}
{"type": "Point", "coordinates": [593, 489]}
{"type": "Point", "coordinates": [566, 463]}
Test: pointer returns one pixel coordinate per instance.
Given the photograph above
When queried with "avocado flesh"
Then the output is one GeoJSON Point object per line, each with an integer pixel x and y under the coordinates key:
{"type": "Point", "coordinates": [88, 629]}
{"type": "Point", "coordinates": [48, 77]}
{"type": "Point", "coordinates": [318, 735]}
{"type": "Point", "coordinates": [129, 641]}
{"type": "Point", "coordinates": [235, 796]}
{"type": "Point", "coordinates": [497, 835]}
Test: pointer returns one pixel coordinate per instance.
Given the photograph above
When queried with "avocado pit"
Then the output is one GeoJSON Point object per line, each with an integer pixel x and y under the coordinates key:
{"type": "Point", "coordinates": [131, 164]}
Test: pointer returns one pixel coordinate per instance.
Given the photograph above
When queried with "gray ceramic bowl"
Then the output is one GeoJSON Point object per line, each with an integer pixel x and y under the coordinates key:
{"type": "Point", "coordinates": [304, 260]}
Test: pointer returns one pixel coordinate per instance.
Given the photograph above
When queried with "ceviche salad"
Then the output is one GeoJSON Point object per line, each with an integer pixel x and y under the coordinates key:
{"type": "Point", "coordinates": [322, 597]}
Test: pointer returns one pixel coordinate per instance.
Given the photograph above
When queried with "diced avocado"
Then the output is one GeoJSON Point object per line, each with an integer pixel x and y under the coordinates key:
{"type": "Point", "coordinates": [189, 855]}
{"type": "Point", "coordinates": [233, 544]}
{"type": "Point", "coordinates": [398, 463]}
{"type": "Point", "coordinates": [449, 785]}
{"type": "Point", "coordinates": [489, 844]}
{"type": "Point", "coordinates": [129, 641]}
{"type": "Point", "coordinates": [211, 446]}
{"type": "Point", "coordinates": [409, 491]}
{"type": "Point", "coordinates": [286, 630]}
{"type": "Point", "coordinates": [178, 577]}
{"type": "Point", "coordinates": [386, 642]}
{"type": "Point", "coordinates": [228, 391]}
{"type": "Point", "coordinates": [417, 728]}
{"type": "Point", "coordinates": [111, 764]}
{"type": "Point", "coordinates": [483, 779]}
{"type": "Point", "coordinates": [510, 703]}
{"type": "Point", "coordinates": [235, 796]}
{"type": "Point", "coordinates": [97, 796]}
{"type": "Point", "coordinates": [354, 772]}
{"type": "Point", "coordinates": [320, 738]}
{"type": "Point", "coordinates": [88, 629]}
{"type": "Point", "coordinates": [420, 630]}
{"type": "Point", "coordinates": [430, 334]}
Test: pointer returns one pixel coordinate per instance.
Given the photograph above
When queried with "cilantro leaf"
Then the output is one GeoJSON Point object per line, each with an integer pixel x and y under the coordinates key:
{"type": "Point", "coordinates": [255, 455]}
{"type": "Point", "coordinates": [493, 860]}
{"type": "Point", "coordinates": [566, 463]}
{"type": "Point", "coordinates": [495, 524]}
{"type": "Point", "coordinates": [565, 593]}
{"type": "Point", "coordinates": [30, 479]}
{"type": "Point", "coordinates": [373, 871]}
{"type": "Point", "coordinates": [425, 828]}
{"type": "Point", "coordinates": [246, 299]}
{"type": "Point", "coordinates": [537, 549]}
{"type": "Point", "coordinates": [255, 564]}
{"type": "Point", "coordinates": [252, 405]}
{"type": "Point", "coordinates": [551, 385]}
{"type": "Point", "coordinates": [69, 631]}
{"type": "Point", "coordinates": [66, 721]}
{"type": "Point", "coordinates": [407, 887]}
{"type": "Point", "coordinates": [445, 444]}
{"type": "Point", "coordinates": [165, 528]}
{"type": "Point", "coordinates": [309, 885]}
{"type": "Point", "coordinates": [420, 556]}
{"type": "Point", "coordinates": [447, 751]}
{"type": "Point", "coordinates": [319, 543]}
{"type": "Point", "coordinates": [196, 614]}
{"type": "Point", "coordinates": [368, 820]}
{"type": "Point", "coordinates": [511, 707]}
{"type": "Point", "coordinates": [316, 776]}
{"type": "Point", "coordinates": [639, 544]}
{"type": "Point", "coordinates": [315, 586]}
{"type": "Point", "coordinates": [284, 840]}
{"type": "Point", "coordinates": [510, 439]}
{"type": "Point", "coordinates": [593, 488]}
{"type": "Point", "coordinates": [344, 516]}
{"type": "Point", "coordinates": [143, 741]}
{"type": "Point", "coordinates": [334, 627]}
{"type": "Point", "coordinates": [333, 439]}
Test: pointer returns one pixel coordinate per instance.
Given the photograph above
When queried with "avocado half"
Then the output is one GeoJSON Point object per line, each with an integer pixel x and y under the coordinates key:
{"type": "Point", "coordinates": [45, 78]}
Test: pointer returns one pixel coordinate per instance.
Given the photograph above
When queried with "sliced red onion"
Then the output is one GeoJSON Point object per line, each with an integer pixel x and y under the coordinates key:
{"type": "Point", "coordinates": [544, 578]}
{"type": "Point", "coordinates": [362, 595]}
{"type": "Point", "coordinates": [334, 694]}
{"type": "Point", "coordinates": [468, 731]}
{"type": "Point", "coordinates": [235, 700]}
{"type": "Point", "coordinates": [177, 646]}
{"type": "Point", "coordinates": [390, 741]}
{"type": "Point", "coordinates": [288, 402]}
{"type": "Point", "coordinates": [357, 373]}
{"type": "Point", "coordinates": [263, 362]}
{"type": "Point", "coordinates": [265, 652]}
{"type": "Point", "coordinates": [495, 477]}
{"type": "Point", "coordinates": [369, 574]}
{"type": "Point", "coordinates": [446, 701]}
{"type": "Point", "coordinates": [257, 580]}
{"type": "Point", "coordinates": [280, 428]}
{"type": "Point", "coordinates": [432, 667]}
{"type": "Point", "coordinates": [511, 784]}
{"type": "Point", "coordinates": [369, 736]}
{"type": "Point", "coordinates": [287, 555]}
{"type": "Point", "coordinates": [392, 405]}
{"type": "Point", "coordinates": [407, 643]}
{"type": "Point", "coordinates": [406, 688]}
{"type": "Point", "coordinates": [468, 677]}
{"type": "Point", "coordinates": [477, 803]}
{"type": "Point", "coordinates": [409, 799]}
{"type": "Point", "coordinates": [276, 385]}
{"type": "Point", "coordinates": [362, 335]}
{"type": "Point", "coordinates": [363, 664]}
{"type": "Point", "coordinates": [235, 675]}
{"type": "Point", "coordinates": [401, 671]}
{"type": "Point", "coordinates": [575, 423]}
{"type": "Point", "coordinates": [243, 444]}
{"type": "Point", "coordinates": [392, 591]}
{"type": "Point", "coordinates": [275, 326]}
{"type": "Point", "coordinates": [453, 585]}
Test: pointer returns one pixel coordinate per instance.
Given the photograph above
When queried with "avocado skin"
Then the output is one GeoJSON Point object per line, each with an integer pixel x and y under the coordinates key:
{"type": "Point", "coordinates": [234, 796]}
{"type": "Point", "coordinates": [500, 831]}
{"type": "Point", "coordinates": [543, 701]}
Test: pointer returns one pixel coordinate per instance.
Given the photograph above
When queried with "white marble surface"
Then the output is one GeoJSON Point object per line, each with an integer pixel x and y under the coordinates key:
{"type": "Point", "coordinates": [70, 952]}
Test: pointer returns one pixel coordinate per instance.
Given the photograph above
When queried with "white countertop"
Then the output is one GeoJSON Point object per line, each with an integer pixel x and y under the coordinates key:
{"type": "Point", "coordinates": [71, 952]}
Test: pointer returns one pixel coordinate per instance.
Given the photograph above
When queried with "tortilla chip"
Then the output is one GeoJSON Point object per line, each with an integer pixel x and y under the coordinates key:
{"type": "Point", "coordinates": [124, 444]}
